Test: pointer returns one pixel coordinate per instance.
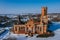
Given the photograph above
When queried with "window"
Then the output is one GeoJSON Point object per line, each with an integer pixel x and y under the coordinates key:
{"type": "Point", "coordinates": [37, 28]}
{"type": "Point", "coordinates": [26, 25]}
{"type": "Point", "coordinates": [45, 12]}
{"type": "Point", "coordinates": [29, 25]}
{"type": "Point", "coordinates": [40, 28]}
{"type": "Point", "coordinates": [15, 28]}
{"type": "Point", "coordinates": [22, 28]}
{"type": "Point", "coordinates": [19, 28]}
{"type": "Point", "coordinates": [27, 29]}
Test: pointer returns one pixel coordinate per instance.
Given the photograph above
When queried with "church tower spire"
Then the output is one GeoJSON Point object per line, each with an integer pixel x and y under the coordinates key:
{"type": "Point", "coordinates": [44, 19]}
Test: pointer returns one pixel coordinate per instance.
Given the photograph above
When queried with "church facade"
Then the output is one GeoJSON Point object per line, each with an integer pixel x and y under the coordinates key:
{"type": "Point", "coordinates": [32, 27]}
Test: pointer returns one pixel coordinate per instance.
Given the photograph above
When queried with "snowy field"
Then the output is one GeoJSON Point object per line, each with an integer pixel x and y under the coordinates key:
{"type": "Point", "coordinates": [23, 37]}
{"type": "Point", "coordinates": [55, 28]}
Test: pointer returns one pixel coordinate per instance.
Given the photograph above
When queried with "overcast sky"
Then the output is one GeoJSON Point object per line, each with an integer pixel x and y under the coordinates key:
{"type": "Point", "coordinates": [28, 6]}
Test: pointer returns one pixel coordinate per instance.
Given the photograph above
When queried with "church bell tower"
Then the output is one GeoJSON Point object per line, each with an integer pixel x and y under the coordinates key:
{"type": "Point", "coordinates": [44, 19]}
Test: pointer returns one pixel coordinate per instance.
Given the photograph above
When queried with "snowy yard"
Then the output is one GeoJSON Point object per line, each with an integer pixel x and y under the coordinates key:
{"type": "Point", "coordinates": [23, 37]}
{"type": "Point", "coordinates": [55, 27]}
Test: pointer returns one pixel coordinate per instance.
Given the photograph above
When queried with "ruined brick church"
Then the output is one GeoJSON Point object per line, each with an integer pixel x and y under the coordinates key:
{"type": "Point", "coordinates": [32, 27]}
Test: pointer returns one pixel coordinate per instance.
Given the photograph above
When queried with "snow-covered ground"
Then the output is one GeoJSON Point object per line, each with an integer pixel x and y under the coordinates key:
{"type": "Point", "coordinates": [23, 37]}
{"type": "Point", "coordinates": [5, 34]}
{"type": "Point", "coordinates": [55, 28]}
